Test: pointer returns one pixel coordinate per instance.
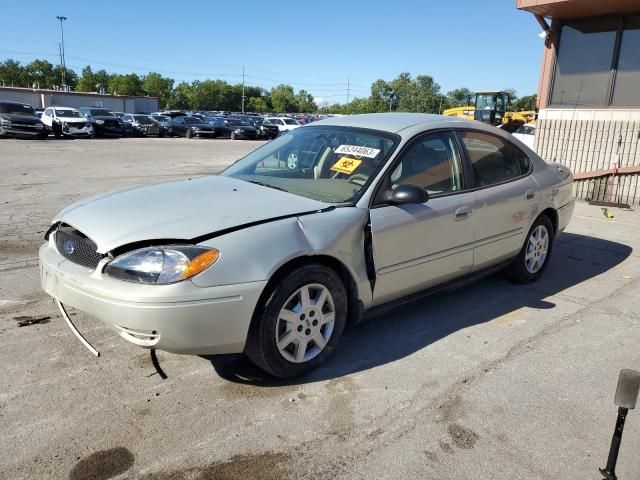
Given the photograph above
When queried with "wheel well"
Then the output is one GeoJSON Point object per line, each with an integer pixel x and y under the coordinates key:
{"type": "Point", "coordinates": [354, 305]}
{"type": "Point", "coordinates": [553, 216]}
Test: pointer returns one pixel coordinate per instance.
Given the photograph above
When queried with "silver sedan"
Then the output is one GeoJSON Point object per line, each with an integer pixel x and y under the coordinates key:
{"type": "Point", "coordinates": [274, 258]}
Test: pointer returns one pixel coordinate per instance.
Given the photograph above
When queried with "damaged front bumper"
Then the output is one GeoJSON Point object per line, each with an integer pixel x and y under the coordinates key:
{"type": "Point", "coordinates": [179, 318]}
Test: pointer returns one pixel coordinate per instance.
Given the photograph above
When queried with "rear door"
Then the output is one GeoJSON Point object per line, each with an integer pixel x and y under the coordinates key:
{"type": "Point", "coordinates": [416, 246]}
{"type": "Point", "coordinates": [506, 196]}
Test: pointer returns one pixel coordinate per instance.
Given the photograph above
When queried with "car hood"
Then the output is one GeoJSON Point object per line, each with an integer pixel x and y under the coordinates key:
{"type": "Point", "coordinates": [17, 118]}
{"type": "Point", "coordinates": [182, 210]}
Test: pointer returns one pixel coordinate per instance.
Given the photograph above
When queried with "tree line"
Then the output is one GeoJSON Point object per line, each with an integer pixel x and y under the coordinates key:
{"type": "Point", "coordinates": [404, 93]}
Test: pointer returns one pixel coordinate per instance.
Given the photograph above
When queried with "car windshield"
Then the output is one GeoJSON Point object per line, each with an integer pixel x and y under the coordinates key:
{"type": "Point", "coordinates": [329, 164]}
{"type": "Point", "coordinates": [161, 118]}
{"type": "Point", "coordinates": [143, 119]}
{"type": "Point", "coordinates": [67, 113]}
{"type": "Point", "coordinates": [236, 122]}
{"type": "Point", "coordinates": [290, 121]}
{"type": "Point", "coordinates": [16, 108]}
{"type": "Point", "coordinates": [99, 112]}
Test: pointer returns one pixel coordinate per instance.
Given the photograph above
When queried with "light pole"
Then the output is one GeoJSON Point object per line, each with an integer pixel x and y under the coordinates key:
{"type": "Point", "coordinates": [62, 19]}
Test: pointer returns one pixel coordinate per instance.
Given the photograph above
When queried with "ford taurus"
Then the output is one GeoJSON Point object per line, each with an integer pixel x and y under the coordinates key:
{"type": "Point", "coordinates": [274, 261]}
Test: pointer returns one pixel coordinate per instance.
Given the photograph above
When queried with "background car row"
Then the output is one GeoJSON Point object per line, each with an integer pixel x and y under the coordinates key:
{"type": "Point", "coordinates": [22, 120]}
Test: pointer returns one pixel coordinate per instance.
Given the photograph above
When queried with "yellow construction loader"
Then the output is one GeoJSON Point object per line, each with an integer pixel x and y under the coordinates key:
{"type": "Point", "coordinates": [490, 106]}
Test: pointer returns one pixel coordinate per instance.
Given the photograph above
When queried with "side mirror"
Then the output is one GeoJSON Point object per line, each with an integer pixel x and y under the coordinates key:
{"type": "Point", "coordinates": [409, 194]}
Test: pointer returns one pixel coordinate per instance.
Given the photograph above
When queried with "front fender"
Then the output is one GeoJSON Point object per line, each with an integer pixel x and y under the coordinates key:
{"type": "Point", "coordinates": [256, 253]}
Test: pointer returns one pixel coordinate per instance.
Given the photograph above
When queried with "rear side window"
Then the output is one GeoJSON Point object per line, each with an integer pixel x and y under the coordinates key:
{"type": "Point", "coordinates": [493, 160]}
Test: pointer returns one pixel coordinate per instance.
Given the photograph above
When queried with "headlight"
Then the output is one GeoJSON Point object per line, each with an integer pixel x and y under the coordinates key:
{"type": "Point", "coordinates": [99, 122]}
{"type": "Point", "coordinates": [238, 130]}
{"type": "Point", "coordinates": [162, 265]}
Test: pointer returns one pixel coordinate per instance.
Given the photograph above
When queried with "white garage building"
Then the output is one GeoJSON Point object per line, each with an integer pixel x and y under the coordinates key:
{"type": "Point", "coordinates": [47, 98]}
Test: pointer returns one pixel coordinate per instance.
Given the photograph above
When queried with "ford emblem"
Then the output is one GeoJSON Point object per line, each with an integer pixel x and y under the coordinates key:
{"type": "Point", "coordinates": [68, 247]}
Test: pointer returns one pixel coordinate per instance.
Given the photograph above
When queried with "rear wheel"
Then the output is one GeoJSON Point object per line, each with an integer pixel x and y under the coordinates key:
{"type": "Point", "coordinates": [300, 322]}
{"type": "Point", "coordinates": [533, 258]}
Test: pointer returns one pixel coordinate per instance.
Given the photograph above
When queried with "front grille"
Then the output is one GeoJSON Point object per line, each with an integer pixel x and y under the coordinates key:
{"type": "Point", "coordinates": [76, 247]}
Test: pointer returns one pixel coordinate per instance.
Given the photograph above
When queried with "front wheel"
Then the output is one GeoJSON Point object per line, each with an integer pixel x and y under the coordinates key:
{"type": "Point", "coordinates": [189, 133]}
{"type": "Point", "coordinates": [533, 258]}
{"type": "Point", "coordinates": [300, 322]}
{"type": "Point", "coordinates": [233, 135]}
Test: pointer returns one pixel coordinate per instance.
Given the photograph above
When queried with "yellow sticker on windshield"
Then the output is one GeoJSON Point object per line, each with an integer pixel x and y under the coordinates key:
{"type": "Point", "coordinates": [346, 165]}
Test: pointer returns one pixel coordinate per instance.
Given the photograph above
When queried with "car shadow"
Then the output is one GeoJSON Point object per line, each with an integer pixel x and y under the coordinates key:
{"type": "Point", "coordinates": [413, 326]}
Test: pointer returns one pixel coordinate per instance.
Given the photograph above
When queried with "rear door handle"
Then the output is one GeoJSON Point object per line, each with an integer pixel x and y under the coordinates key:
{"type": "Point", "coordinates": [530, 195]}
{"type": "Point", "coordinates": [462, 213]}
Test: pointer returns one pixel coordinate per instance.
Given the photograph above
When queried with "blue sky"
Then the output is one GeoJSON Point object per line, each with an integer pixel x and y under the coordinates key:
{"type": "Point", "coordinates": [315, 45]}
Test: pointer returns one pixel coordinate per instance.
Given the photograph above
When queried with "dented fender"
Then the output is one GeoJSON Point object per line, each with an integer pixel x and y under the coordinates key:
{"type": "Point", "coordinates": [255, 253]}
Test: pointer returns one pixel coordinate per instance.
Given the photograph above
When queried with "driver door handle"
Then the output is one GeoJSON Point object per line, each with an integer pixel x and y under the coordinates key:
{"type": "Point", "coordinates": [462, 213]}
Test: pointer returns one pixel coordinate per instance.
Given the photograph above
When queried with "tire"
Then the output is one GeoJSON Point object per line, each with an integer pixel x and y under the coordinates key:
{"type": "Point", "coordinates": [188, 133]}
{"type": "Point", "coordinates": [533, 258]}
{"type": "Point", "coordinates": [233, 135]}
{"type": "Point", "coordinates": [298, 352]}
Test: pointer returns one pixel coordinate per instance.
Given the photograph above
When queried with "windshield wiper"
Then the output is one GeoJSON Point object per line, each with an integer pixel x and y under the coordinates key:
{"type": "Point", "coordinates": [256, 182]}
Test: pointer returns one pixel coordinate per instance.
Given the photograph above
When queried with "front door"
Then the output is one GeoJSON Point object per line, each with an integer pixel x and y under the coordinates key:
{"type": "Point", "coordinates": [416, 246]}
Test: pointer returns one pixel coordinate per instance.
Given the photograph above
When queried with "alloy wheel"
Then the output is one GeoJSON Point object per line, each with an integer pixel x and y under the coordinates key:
{"type": "Point", "coordinates": [305, 323]}
{"type": "Point", "coordinates": [292, 160]}
{"type": "Point", "coordinates": [537, 248]}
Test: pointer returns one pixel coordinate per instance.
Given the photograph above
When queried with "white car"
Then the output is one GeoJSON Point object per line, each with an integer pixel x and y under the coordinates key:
{"type": "Point", "coordinates": [284, 124]}
{"type": "Point", "coordinates": [66, 121]}
{"type": "Point", "coordinates": [526, 134]}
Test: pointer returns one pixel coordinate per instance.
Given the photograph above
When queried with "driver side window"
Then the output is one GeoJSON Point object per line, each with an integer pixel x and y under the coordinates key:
{"type": "Point", "coordinates": [432, 163]}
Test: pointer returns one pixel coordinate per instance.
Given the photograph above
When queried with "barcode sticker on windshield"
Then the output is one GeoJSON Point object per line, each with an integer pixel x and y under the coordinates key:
{"type": "Point", "coordinates": [358, 151]}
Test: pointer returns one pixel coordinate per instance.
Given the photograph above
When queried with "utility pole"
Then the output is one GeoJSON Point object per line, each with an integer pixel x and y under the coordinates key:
{"type": "Point", "coordinates": [243, 89]}
{"type": "Point", "coordinates": [62, 60]}
{"type": "Point", "coordinates": [348, 89]}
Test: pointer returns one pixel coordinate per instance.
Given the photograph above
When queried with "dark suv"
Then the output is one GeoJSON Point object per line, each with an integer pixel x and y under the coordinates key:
{"type": "Point", "coordinates": [19, 120]}
{"type": "Point", "coordinates": [104, 122]}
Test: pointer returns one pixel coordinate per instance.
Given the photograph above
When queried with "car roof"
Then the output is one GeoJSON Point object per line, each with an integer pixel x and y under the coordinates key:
{"type": "Point", "coordinates": [395, 122]}
{"type": "Point", "coordinates": [14, 103]}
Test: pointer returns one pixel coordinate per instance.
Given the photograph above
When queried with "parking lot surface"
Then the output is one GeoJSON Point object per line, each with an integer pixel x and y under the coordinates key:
{"type": "Point", "coordinates": [491, 381]}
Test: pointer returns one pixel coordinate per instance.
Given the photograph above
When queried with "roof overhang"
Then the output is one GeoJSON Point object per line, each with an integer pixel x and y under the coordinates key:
{"type": "Point", "coordinates": [561, 9]}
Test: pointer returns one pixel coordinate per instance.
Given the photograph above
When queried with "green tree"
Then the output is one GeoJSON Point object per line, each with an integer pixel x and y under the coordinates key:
{"type": "Point", "coordinates": [460, 97]}
{"type": "Point", "coordinates": [181, 98]}
{"type": "Point", "coordinates": [283, 99]}
{"type": "Point", "coordinates": [305, 102]}
{"type": "Point", "coordinates": [13, 74]}
{"type": "Point", "coordinates": [527, 102]}
{"type": "Point", "coordinates": [156, 85]}
{"type": "Point", "coordinates": [258, 104]}
{"type": "Point", "coordinates": [41, 72]}
{"type": "Point", "coordinates": [129, 84]}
